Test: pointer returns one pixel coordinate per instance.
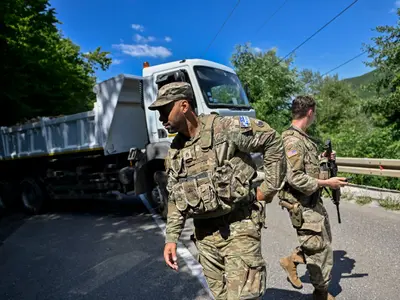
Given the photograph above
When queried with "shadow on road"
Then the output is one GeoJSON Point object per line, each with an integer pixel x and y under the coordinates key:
{"type": "Point", "coordinates": [9, 223]}
{"type": "Point", "coordinates": [91, 250]}
{"type": "Point", "coordinates": [12, 219]}
{"type": "Point", "coordinates": [342, 268]}
{"type": "Point", "coordinates": [280, 294]}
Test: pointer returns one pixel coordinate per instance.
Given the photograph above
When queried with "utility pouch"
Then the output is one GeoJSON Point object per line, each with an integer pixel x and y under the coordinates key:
{"type": "Point", "coordinates": [296, 215]}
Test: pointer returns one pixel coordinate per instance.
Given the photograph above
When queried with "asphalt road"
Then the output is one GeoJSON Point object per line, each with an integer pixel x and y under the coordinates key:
{"type": "Point", "coordinates": [104, 251]}
{"type": "Point", "coordinates": [366, 250]}
{"type": "Point", "coordinates": [91, 251]}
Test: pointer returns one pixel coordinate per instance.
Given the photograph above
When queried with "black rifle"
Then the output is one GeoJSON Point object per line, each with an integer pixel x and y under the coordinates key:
{"type": "Point", "coordinates": [332, 167]}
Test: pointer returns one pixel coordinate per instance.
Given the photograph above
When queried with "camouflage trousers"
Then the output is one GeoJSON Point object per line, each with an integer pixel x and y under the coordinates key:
{"type": "Point", "coordinates": [315, 248]}
{"type": "Point", "coordinates": [229, 250]}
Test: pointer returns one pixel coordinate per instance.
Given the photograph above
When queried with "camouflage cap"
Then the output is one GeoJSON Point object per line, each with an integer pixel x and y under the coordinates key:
{"type": "Point", "coordinates": [172, 92]}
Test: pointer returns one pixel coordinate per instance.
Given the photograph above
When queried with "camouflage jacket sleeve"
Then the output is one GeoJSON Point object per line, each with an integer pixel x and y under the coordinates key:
{"type": "Point", "coordinates": [296, 176]}
{"type": "Point", "coordinates": [175, 219]}
{"type": "Point", "coordinates": [257, 136]}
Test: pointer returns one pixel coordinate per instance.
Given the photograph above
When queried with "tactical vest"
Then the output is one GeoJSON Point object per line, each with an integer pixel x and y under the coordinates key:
{"type": "Point", "coordinates": [311, 168]}
{"type": "Point", "coordinates": [207, 187]}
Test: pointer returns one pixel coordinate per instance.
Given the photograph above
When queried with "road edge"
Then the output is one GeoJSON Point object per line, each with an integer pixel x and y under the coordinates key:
{"type": "Point", "coordinates": [183, 252]}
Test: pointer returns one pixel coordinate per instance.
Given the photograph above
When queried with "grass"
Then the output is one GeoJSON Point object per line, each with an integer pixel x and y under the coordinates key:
{"type": "Point", "coordinates": [362, 200]}
{"type": "Point", "coordinates": [347, 196]}
{"type": "Point", "coordinates": [390, 203]}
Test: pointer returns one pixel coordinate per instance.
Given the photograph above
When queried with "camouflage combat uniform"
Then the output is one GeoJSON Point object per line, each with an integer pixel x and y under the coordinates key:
{"type": "Point", "coordinates": [308, 214]}
{"type": "Point", "coordinates": [209, 179]}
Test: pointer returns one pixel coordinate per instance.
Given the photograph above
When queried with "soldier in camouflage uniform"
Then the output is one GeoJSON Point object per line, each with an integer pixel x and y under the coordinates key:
{"type": "Point", "coordinates": [210, 173]}
{"type": "Point", "coordinates": [301, 196]}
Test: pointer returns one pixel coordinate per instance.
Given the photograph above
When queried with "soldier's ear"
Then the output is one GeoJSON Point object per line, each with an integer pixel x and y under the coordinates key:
{"type": "Point", "coordinates": [185, 105]}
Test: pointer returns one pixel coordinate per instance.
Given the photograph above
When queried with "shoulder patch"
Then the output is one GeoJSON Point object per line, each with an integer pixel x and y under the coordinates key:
{"type": "Point", "coordinates": [291, 153]}
{"type": "Point", "coordinates": [244, 121]}
{"type": "Point", "coordinates": [260, 126]}
{"type": "Point", "coordinates": [260, 123]}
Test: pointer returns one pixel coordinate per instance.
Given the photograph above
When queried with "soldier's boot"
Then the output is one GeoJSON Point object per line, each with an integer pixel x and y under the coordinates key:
{"type": "Point", "coordinates": [290, 267]}
{"type": "Point", "coordinates": [322, 295]}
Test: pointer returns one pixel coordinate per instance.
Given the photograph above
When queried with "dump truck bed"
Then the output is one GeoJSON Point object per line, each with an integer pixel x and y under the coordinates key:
{"type": "Point", "coordinates": [111, 126]}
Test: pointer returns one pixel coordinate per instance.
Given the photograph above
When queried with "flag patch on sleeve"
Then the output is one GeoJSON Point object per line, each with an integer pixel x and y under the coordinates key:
{"type": "Point", "coordinates": [292, 153]}
{"type": "Point", "coordinates": [244, 121]}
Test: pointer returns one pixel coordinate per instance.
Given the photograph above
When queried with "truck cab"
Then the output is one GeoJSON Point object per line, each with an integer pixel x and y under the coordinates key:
{"type": "Point", "coordinates": [216, 88]}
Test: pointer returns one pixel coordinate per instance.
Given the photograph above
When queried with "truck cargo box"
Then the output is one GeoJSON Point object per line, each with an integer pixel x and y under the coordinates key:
{"type": "Point", "coordinates": [116, 123]}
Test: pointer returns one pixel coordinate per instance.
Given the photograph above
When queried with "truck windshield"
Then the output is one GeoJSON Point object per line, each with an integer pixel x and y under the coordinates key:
{"type": "Point", "coordinates": [221, 88]}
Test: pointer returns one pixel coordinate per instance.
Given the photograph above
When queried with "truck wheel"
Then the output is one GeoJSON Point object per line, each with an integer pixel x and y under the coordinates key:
{"type": "Point", "coordinates": [32, 196]}
{"type": "Point", "coordinates": [2, 205]}
{"type": "Point", "coordinates": [162, 205]}
{"type": "Point", "coordinates": [2, 202]}
{"type": "Point", "coordinates": [160, 193]}
{"type": "Point", "coordinates": [7, 196]}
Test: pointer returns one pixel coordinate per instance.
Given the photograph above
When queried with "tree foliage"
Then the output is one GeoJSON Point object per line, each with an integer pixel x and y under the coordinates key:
{"type": "Point", "coordinates": [385, 55]}
{"type": "Point", "coordinates": [361, 121]}
{"type": "Point", "coordinates": [270, 83]}
{"type": "Point", "coordinates": [43, 72]}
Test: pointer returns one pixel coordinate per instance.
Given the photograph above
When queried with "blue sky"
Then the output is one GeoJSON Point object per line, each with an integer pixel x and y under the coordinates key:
{"type": "Point", "coordinates": [163, 31]}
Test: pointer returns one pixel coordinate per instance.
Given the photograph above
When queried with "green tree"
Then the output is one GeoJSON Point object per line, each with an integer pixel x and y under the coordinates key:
{"type": "Point", "coordinates": [354, 131]}
{"type": "Point", "coordinates": [270, 83]}
{"type": "Point", "coordinates": [43, 73]}
{"type": "Point", "coordinates": [385, 55]}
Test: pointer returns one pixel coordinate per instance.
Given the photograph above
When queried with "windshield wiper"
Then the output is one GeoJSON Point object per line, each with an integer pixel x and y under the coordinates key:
{"type": "Point", "coordinates": [230, 106]}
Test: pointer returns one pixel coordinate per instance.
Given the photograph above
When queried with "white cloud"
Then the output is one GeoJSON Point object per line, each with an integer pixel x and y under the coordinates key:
{"type": "Point", "coordinates": [396, 5]}
{"type": "Point", "coordinates": [168, 39]}
{"type": "Point", "coordinates": [138, 27]}
{"type": "Point", "coordinates": [143, 50]}
{"type": "Point", "coordinates": [142, 39]}
{"type": "Point", "coordinates": [116, 62]}
{"type": "Point", "coordinates": [258, 49]}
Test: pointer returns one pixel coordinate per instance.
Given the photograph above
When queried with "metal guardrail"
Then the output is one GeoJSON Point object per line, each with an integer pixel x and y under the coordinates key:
{"type": "Point", "coordinates": [369, 166]}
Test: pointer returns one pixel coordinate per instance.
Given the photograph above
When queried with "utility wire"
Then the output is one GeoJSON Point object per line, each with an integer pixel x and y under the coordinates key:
{"type": "Point", "coordinates": [341, 65]}
{"type": "Point", "coordinates": [351, 59]}
{"type": "Point", "coordinates": [345, 63]}
{"type": "Point", "coordinates": [226, 20]}
{"type": "Point", "coordinates": [315, 33]}
{"type": "Point", "coordinates": [272, 15]}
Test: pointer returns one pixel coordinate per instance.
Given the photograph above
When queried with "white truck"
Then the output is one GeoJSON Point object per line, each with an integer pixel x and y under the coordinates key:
{"type": "Point", "coordinates": [118, 147]}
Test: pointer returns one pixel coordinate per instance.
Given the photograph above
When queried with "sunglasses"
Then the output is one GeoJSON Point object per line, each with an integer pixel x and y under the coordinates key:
{"type": "Point", "coordinates": [166, 109]}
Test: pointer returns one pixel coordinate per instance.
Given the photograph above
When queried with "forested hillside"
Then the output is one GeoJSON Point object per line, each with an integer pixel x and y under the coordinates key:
{"type": "Point", "coordinates": [362, 80]}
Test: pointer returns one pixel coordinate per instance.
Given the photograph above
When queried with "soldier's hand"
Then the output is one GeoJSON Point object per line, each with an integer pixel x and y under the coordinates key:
{"type": "Point", "coordinates": [260, 196]}
{"type": "Point", "coordinates": [336, 182]}
{"type": "Point", "coordinates": [170, 256]}
{"type": "Point", "coordinates": [333, 155]}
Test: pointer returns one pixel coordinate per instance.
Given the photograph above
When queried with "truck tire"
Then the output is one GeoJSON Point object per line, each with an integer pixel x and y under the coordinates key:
{"type": "Point", "coordinates": [32, 196]}
{"type": "Point", "coordinates": [160, 193]}
{"type": "Point", "coordinates": [3, 206]}
{"type": "Point", "coordinates": [160, 202]}
{"type": "Point", "coordinates": [8, 197]}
